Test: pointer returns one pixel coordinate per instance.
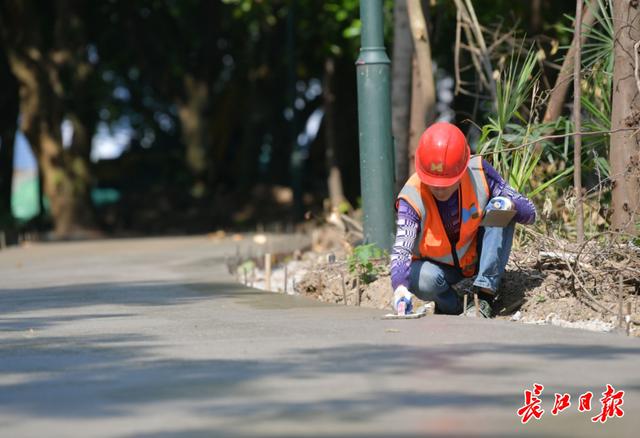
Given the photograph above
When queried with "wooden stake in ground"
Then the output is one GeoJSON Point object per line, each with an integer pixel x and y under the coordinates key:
{"type": "Point", "coordinates": [476, 302]}
{"type": "Point", "coordinates": [285, 279]}
{"type": "Point", "coordinates": [620, 303]}
{"type": "Point", "coordinates": [344, 289]}
{"type": "Point", "coordinates": [628, 318]}
{"type": "Point", "coordinates": [267, 271]}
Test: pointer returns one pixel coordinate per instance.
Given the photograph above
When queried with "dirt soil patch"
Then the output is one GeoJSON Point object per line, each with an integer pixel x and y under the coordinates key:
{"type": "Point", "coordinates": [595, 286]}
{"type": "Point", "coordinates": [544, 284]}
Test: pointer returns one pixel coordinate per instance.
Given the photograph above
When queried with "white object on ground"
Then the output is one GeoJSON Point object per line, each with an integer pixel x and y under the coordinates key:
{"type": "Point", "coordinates": [594, 325]}
{"type": "Point", "coordinates": [425, 310]}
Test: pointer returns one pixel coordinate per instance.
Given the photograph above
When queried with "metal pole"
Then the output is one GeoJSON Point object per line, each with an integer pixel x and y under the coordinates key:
{"type": "Point", "coordinates": [374, 120]}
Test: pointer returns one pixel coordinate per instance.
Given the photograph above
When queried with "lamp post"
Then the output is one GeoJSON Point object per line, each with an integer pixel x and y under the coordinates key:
{"type": "Point", "coordinates": [374, 121]}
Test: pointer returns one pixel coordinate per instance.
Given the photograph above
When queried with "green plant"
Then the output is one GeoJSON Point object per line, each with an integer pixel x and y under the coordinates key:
{"type": "Point", "coordinates": [246, 267]}
{"type": "Point", "coordinates": [344, 207]}
{"type": "Point", "coordinates": [597, 64]}
{"type": "Point", "coordinates": [598, 45]}
{"type": "Point", "coordinates": [596, 85]}
{"type": "Point", "coordinates": [366, 262]}
{"type": "Point", "coordinates": [507, 128]}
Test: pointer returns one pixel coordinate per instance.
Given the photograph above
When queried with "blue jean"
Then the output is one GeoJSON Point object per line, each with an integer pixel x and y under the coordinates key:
{"type": "Point", "coordinates": [432, 281]}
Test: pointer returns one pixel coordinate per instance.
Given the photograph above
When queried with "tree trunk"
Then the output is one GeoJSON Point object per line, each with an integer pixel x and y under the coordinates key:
{"type": "Point", "coordinates": [40, 122]}
{"type": "Point", "coordinates": [37, 64]}
{"type": "Point", "coordinates": [422, 47]}
{"type": "Point", "coordinates": [8, 123]}
{"type": "Point", "coordinates": [7, 137]}
{"type": "Point", "coordinates": [624, 152]}
{"type": "Point", "coordinates": [535, 23]}
{"type": "Point", "coordinates": [559, 91]}
{"type": "Point", "coordinates": [401, 90]}
{"type": "Point", "coordinates": [577, 123]}
{"type": "Point", "coordinates": [334, 180]}
{"type": "Point", "coordinates": [192, 112]}
{"type": "Point", "coordinates": [41, 119]}
{"type": "Point", "coordinates": [78, 159]}
{"type": "Point", "coordinates": [418, 116]}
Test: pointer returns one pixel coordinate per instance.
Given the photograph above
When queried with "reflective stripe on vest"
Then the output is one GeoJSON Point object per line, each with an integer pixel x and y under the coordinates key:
{"type": "Point", "coordinates": [479, 181]}
{"type": "Point", "coordinates": [432, 242]}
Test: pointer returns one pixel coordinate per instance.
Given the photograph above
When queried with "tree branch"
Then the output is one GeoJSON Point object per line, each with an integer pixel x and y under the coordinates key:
{"type": "Point", "coordinates": [559, 91]}
{"type": "Point", "coordinates": [637, 67]}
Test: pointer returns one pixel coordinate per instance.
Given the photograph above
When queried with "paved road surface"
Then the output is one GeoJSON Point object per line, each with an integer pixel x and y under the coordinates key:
{"type": "Point", "coordinates": [152, 337]}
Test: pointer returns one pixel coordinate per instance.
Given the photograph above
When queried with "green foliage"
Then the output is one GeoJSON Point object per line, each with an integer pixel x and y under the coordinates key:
{"type": "Point", "coordinates": [596, 88]}
{"type": "Point", "coordinates": [365, 262]}
{"type": "Point", "coordinates": [236, 66]}
{"type": "Point", "coordinates": [344, 207]}
{"type": "Point", "coordinates": [508, 129]}
{"type": "Point", "coordinates": [598, 46]}
{"type": "Point", "coordinates": [331, 26]}
{"type": "Point", "coordinates": [246, 267]}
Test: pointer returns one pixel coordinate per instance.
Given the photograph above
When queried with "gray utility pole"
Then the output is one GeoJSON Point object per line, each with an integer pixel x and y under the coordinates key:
{"type": "Point", "coordinates": [374, 120]}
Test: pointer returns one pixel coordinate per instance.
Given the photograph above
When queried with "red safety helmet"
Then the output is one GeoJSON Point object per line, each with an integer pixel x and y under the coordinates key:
{"type": "Point", "coordinates": [442, 155]}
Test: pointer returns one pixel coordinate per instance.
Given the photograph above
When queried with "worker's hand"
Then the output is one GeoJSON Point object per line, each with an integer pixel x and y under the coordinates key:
{"type": "Point", "coordinates": [402, 300]}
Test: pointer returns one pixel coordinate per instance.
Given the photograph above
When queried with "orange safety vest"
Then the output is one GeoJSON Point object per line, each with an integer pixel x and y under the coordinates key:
{"type": "Point", "coordinates": [432, 242]}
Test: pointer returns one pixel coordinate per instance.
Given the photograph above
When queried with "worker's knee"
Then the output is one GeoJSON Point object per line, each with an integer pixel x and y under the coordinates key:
{"type": "Point", "coordinates": [428, 281]}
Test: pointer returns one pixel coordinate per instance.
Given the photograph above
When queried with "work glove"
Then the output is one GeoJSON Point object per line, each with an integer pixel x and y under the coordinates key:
{"type": "Point", "coordinates": [402, 300]}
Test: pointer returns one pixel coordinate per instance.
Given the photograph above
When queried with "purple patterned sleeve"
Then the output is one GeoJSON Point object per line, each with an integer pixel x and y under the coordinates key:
{"type": "Point", "coordinates": [408, 225]}
{"type": "Point", "coordinates": [525, 210]}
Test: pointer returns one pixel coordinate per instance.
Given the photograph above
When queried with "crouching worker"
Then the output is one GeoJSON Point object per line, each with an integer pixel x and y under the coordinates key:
{"type": "Point", "coordinates": [439, 239]}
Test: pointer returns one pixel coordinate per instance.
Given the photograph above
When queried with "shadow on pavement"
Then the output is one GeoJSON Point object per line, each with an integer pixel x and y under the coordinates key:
{"type": "Point", "coordinates": [115, 374]}
{"type": "Point", "coordinates": [129, 294]}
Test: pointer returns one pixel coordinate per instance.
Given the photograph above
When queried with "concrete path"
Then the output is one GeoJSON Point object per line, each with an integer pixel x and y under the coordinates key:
{"type": "Point", "coordinates": [152, 337]}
